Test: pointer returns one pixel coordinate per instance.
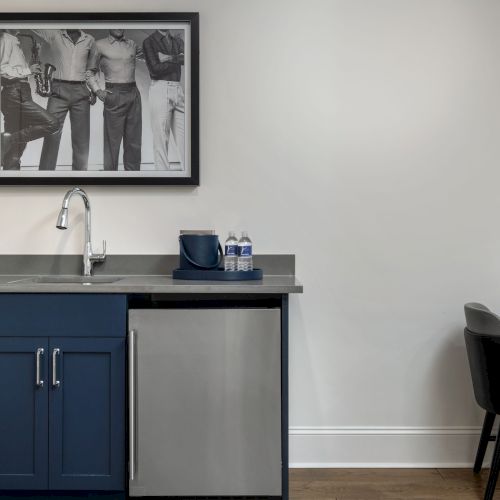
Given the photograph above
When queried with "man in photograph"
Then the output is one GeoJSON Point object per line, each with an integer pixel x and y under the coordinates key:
{"type": "Point", "coordinates": [24, 120]}
{"type": "Point", "coordinates": [164, 54]}
{"type": "Point", "coordinates": [73, 54]}
{"type": "Point", "coordinates": [116, 57]}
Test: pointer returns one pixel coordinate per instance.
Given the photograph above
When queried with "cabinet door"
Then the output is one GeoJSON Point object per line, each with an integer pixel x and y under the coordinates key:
{"type": "Point", "coordinates": [23, 413]}
{"type": "Point", "coordinates": [87, 414]}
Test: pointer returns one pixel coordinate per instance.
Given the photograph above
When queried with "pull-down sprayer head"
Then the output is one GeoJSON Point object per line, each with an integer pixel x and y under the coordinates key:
{"type": "Point", "coordinates": [62, 219]}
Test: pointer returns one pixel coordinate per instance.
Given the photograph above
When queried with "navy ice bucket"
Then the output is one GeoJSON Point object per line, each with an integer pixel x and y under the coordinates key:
{"type": "Point", "coordinates": [199, 251]}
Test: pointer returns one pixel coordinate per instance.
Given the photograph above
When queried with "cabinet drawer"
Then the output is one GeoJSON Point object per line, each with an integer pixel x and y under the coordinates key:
{"type": "Point", "coordinates": [63, 315]}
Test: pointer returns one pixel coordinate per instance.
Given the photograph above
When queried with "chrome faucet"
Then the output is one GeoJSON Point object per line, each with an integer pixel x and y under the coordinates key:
{"type": "Point", "coordinates": [89, 257]}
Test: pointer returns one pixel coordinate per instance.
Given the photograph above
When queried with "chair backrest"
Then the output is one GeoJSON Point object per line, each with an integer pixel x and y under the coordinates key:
{"type": "Point", "coordinates": [482, 338]}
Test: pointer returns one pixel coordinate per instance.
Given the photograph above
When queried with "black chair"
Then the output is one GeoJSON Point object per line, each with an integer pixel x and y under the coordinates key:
{"type": "Point", "coordinates": [482, 338]}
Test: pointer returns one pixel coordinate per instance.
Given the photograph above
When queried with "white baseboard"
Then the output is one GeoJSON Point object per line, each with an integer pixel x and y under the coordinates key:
{"type": "Point", "coordinates": [378, 447]}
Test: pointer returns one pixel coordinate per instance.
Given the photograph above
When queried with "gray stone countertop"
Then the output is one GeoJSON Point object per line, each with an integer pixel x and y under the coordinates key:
{"type": "Point", "coordinates": [149, 274]}
{"type": "Point", "coordinates": [152, 284]}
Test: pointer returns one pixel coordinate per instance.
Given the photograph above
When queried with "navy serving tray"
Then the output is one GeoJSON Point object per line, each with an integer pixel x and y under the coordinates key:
{"type": "Point", "coordinates": [216, 275]}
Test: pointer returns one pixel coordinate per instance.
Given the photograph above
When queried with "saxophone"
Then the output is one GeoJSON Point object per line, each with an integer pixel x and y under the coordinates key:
{"type": "Point", "coordinates": [43, 81]}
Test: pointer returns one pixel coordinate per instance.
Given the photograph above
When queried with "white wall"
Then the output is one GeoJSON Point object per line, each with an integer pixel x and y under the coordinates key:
{"type": "Point", "coordinates": [362, 135]}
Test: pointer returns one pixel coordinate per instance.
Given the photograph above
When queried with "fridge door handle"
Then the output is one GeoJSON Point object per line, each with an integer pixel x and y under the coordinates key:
{"type": "Point", "coordinates": [132, 404]}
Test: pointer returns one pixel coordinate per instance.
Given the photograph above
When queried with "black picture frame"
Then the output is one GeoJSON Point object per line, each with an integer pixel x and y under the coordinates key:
{"type": "Point", "coordinates": [143, 17]}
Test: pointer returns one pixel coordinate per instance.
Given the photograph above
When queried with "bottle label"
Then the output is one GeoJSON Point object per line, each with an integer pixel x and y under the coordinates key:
{"type": "Point", "coordinates": [245, 251]}
{"type": "Point", "coordinates": [232, 250]}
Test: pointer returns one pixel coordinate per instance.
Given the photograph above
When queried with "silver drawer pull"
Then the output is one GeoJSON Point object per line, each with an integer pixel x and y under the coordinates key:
{"type": "Point", "coordinates": [55, 381]}
{"type": "Point", "coordinates": [39, 354]}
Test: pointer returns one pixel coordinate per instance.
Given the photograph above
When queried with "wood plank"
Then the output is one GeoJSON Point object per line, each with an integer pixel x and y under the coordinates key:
{"type": "Point", "coordinates": [388, 484]}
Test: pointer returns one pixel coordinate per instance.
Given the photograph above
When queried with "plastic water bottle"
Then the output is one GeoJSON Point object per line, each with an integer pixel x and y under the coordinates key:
{"type": "Point", "coordinates": [245, 261]}
{"type": "Point", "coordinates": [231, 252]}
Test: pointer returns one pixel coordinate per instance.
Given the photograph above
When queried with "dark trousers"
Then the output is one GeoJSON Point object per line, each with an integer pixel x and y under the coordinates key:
{"type": "Point", "coordinates": [72, 97]}
{"type": "Point", "coordinates": [122, 120]}
{"type": "Point", "coordinates": [24, 119]}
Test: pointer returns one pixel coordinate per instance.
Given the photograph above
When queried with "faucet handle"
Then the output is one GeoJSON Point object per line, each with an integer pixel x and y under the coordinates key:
{"type": "Point", "coordinates": [99, 257]}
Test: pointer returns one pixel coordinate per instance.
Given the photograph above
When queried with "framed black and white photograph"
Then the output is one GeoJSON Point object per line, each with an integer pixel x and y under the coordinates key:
{"type": "Point", "coordinates": [99, 99]}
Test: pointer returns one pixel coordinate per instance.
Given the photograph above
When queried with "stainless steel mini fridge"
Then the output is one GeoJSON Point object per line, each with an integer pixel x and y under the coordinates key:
{"type": "Point", "coordinates": [205, 402]}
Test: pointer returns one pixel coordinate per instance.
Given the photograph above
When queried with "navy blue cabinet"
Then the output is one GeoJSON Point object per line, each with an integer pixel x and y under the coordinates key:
{"type": "Point", "coordinates": [87, 405]}
{"type": "Point", "coordinates": [23, 413]}
{"type": "Point", "coordinates": [62, 392]}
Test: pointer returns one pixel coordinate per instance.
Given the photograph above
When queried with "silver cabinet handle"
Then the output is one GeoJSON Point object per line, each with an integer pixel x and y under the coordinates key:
{"type": "Point", "coordinates": [131, 404]}
{"type": "Point", "coordinates": [55, 381]}
{"type": "Point", "coordinates": [39, 354]}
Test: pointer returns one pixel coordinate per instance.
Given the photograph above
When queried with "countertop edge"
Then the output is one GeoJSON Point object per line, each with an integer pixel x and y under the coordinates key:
{"type": "Point", "coordinates": [139, 285]}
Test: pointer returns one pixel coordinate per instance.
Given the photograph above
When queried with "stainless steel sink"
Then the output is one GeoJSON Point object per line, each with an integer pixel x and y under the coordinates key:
{"type": "Point", "coordinates": [82, 280]}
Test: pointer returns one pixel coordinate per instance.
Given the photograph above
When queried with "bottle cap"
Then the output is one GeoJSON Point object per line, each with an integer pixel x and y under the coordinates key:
{"type": "Point", "coordinates": [244, 234]}
{"type": "Point", "coordinates": [232, 233]}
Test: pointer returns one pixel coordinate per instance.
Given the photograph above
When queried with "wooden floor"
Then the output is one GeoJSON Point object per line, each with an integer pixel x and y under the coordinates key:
{"type": "Point", "coordinates": [393, 484]}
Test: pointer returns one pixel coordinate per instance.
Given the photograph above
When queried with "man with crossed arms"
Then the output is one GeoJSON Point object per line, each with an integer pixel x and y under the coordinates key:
{"type": "Point", "coordinates": [164, 54]}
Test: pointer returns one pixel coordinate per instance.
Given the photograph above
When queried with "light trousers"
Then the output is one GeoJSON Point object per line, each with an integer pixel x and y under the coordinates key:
{"type": "Point", "coordinates": [164, 97]}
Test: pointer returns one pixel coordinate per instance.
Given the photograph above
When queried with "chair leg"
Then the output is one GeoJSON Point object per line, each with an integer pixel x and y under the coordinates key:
{"type": "Point", "coordinates": [495, 469]}
{"type": "Point", "coordinates": [489, 420]}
